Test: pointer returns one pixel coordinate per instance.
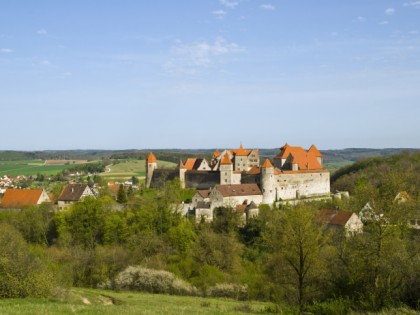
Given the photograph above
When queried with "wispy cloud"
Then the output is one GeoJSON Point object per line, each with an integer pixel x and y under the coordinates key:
{"type": "Point", "coordinates": [42, 32]}
{"type": "Point", "coordinates": [361, 19]}
{"type": "Point", "coordinates": [45, 62]}
{"type": "Point", "coordinates": [188, 58]}
{"type": "Point", "coordinates": [390, 11]}
{"type": "Point", "coordinates": [383, 23]}
{"type": "Point", "coordinates": [220, 14]}
{"type": "Point", "coordinates": [229, 4]}
{"type": "Point", "coordinates": [415, 4]}
{"type": "Point", "coordinates": [267, 6]}
{"type": "Point", "coordinates": [6, 50]}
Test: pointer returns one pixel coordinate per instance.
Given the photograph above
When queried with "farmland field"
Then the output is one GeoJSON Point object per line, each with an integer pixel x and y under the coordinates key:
{"type": "Point", "coordinates": [30, 167]}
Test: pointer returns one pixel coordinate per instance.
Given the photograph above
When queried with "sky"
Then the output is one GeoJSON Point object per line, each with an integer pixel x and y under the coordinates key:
{"type": "Point", "coordinates": [209, 74]}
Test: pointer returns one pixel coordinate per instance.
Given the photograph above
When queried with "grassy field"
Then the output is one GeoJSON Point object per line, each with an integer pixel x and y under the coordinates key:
{"type": "Point", "coordinates": [333, 166]}
{"type": "Point", "coordinates": [132, 168]}
{"type": "Point", "coordinates": [32, 168]}
{"type": "Point", "coordinates": [89, 301]}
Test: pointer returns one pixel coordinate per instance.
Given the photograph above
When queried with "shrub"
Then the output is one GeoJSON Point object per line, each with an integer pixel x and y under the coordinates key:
{"type": "Point", "coordinates": [23, 271]}
{"type": "Point", "coordinates": [138, 278]}
{"type": "Point", "coordinates": [228, 290]}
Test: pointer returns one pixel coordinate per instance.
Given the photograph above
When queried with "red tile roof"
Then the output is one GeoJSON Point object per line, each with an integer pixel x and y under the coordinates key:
{"type": "Point", "coordinates": [239, 190]}
{"type": "Point", "coordinates": [189, 163]}
{"type": "Point", "coordinates": [254, 170]}
{"type": "Point", "coordinates": [267, 164]}
{"type": "Point", "coordinates": [204, 192]}
{"type": "Point", "coordinates": [313, 149]}
{"type": "Point", "coordinates": [306, 160]}
{"type": "Point", "coordinates": [334, 217]}
{"type": "Point", "coordinates": [151, 158]}
{"type": "Point", "coordinates": [16, 198]}
{"type": "Point", "coordinates": [216, 153]}
{"type": "Point", "coordinates": [242, 152]}
{"type": "Point", "coordinates": [226, 160]}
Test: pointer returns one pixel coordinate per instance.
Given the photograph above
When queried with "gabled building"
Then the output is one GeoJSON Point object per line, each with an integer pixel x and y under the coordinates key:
{"type": "Point", "coordinates": [73, 193]}
{"type": "Point", "coordinates": [341, 220]}
{"type": "Point", "coordinates": [233, 195]}
{"type": "Point", "coordinates": [21, 198]}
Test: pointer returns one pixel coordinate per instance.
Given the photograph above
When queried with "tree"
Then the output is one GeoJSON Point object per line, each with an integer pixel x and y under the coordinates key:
{"type": "Point", "coordinates": [121, 195]}
{"type": "Point", "coordinates": [134, 180]}
{"type": "Point", "coordinates": [296, 241]}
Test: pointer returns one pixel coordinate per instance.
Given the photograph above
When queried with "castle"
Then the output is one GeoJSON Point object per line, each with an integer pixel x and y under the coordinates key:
{"type": "Point", "coordinates": [236, 177]}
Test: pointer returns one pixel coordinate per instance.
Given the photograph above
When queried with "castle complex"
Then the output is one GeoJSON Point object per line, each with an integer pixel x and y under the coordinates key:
{"type": "Point", "coordinates": [236, 177]}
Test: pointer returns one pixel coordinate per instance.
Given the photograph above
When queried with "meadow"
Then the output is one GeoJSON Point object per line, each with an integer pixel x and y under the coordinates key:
{"type": "Point", "coordinates": [28, 168]}
{"type": "Point", "coordinates": [128, 168]}
{"type": "Point", "coordinates": [101, 302]}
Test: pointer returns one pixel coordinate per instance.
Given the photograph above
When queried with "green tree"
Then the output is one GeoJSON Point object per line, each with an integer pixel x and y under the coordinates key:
{"type": "Point", "coordinates": [121, 195]}
{"type": "Point", "coordinates": [296, 265]}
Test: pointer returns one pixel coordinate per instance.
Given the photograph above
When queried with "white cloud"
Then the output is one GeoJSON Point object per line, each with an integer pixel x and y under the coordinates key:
{"type": "Point", "coordinates": [390, 11]}
{"type": "Point", "coordinates": [361, 19]}
{"type": "Point", "coordinates": [44, 62]}
{"type": "Point", "coordinates": [190, 57]}
{"type": "Point", "coordinates": [220, 14]}
{"type": "Point", "coordinates": [42, 32]}
{"type": "Point", "coordinates": [6, 50]}
{"type": "Point", "coordinates": [229, 4]}
{"type": "Point", "coordinates": [413, 32]}
{"type": "Point", "coordinates": [415, 4]}
{"type": "Point", "coordinates": [268, 6]}
{"type": "Point", "coordinates": [383, 23]}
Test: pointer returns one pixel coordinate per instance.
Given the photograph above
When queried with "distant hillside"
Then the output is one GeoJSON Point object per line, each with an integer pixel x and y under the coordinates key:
{"type": "Point", "coordinates": [174, 155]}
{"type": "Point", "coordinates": [402, 168]}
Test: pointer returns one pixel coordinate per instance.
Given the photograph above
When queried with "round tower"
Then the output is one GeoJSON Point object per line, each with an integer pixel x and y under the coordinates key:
{"type": "Point", "coordinates": [151, 165]}
{"type": "Point", "coordinates": [268, 182]}
{"type": "Point", "coordinates": [182, 171]}
{"type": "Point", "coordinates": [226, 170]}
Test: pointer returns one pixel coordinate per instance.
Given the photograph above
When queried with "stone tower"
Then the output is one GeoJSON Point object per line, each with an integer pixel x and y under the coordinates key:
{"type": "Point", "coordinates": [268, 182]}
{"type": "Point", "coordinates": [182, 171]}
{"type": "Point", "coordinates": [226, 170]}
{"type": "Point", "coordinates": [151, 165]}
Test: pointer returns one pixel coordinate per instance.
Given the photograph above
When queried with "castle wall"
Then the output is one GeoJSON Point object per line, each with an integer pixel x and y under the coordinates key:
{"type": "Point", "coordinates": [201, 179]}
{"type": "Point", "coordinates": [297, 185]}
{"type": "Point", "coordinates": [160, 176]}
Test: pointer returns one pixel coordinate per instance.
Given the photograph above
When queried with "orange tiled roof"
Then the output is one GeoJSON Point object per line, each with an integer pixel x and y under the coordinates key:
{"type": "Point", "coordinates": [204, 192]}
{"type": "Point", "coordinates": [267, 164]}
{"type": "Point", "coordinates": [226, 160]}
{"type": "Point", "coordinates": [189, 163]}
{"type": "Point", "coordinates": [242, 152]}
{"type": "Point", "coordinates": [15, 198]}
{"type": "Point", "coordinates": [216, 153]}
{"type": "Point", "coordinates": [313, 149]}
{"type": "Point", "coordinates": [151, 158]}
{"type": "Point", "coordinates": [306, 160]}
{"type": "Point", "coordinates": [334, 217]}
{"type": "Point", "coordinates": [254, 170]}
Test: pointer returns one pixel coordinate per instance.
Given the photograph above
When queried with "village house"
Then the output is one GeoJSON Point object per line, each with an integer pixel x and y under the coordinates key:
{"type": "Point", "coordinates": [73, 193]}
{"type": "Point", "coordinates": [21, 198]}
{"type": "Point", "coordinates": [341, 220]}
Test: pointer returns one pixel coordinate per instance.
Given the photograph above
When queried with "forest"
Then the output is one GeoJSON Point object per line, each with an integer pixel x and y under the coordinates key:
{"type": "Point", "coordinates": [284, 255]}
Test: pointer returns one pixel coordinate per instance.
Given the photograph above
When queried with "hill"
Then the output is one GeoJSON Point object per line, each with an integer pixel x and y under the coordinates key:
{"type": "Point", "coordinates": [402, 168]}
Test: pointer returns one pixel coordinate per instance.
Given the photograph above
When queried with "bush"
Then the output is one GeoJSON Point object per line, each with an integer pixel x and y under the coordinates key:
{"type": "Point", "coordinates": [228, 290]}
{"type": "Point", "coordinates": [138, 278]}
{"type": "Point", "coordinates": [23, 270]}
{"type": "Point", "coordinates": [338, 306]}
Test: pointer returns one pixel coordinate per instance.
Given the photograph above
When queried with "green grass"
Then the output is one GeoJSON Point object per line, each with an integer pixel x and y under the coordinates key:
{"type": "Point", "coordinates": [15, 169]}
{"type": "Point", "coordinates": [109, 302]}
{"type": "Point", "coordinates": [133, 168]}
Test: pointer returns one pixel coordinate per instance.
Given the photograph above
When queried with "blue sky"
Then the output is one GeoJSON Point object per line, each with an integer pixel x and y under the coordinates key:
{"type": "Point", "coordinates": [209, 73]}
